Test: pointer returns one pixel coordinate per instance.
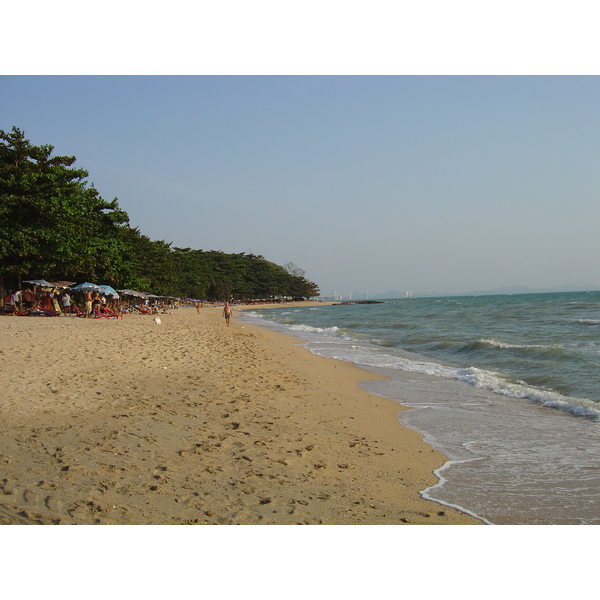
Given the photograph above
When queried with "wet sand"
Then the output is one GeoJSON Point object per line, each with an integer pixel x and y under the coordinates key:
{"type": "Point", "coordinates": [126, 422]}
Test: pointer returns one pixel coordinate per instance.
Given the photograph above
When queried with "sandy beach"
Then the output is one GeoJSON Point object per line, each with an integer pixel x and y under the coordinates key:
{"type": "Point", "coordinates": [192, 422]}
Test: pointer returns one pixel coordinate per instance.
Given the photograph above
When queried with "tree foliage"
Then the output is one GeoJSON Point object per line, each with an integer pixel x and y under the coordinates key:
{"type": "Point", "coordinates": [54, 225]}
{"type": "Point", "coordinates": [51, 220]}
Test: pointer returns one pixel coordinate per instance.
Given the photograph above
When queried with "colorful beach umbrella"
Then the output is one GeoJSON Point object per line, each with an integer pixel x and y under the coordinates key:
{"type": "Point", "coordinates": [107, 290]}
{"type": "Point", "coordinates": [86, 287]}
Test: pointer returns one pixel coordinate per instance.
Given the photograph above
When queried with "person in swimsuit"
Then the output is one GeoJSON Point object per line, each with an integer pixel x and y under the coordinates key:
{"type": "Point", "coordinates": [87, 297]}
{"type": "Point", "coordinates": [96, 304]}
{"type": "Point", "coordinates": [28, 299]}
{"type": "Point", "coordinates": [227, 310]}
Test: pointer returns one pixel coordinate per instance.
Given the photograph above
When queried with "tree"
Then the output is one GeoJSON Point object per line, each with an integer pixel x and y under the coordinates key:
{"type": "Point", "coordinates": [194, 274]}
{"type": "Point", "coordinates": [52, 223]}
{"type": "Point", "coordinates": [153, 265]}
{"type": "Point", "coordinates": [302, 288]}
{"type": "Point", "coordinates": [294, 269]}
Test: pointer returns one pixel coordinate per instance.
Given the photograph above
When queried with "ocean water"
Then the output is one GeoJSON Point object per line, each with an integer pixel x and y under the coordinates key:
{"type": "Point", "coordinates": [507, 387]}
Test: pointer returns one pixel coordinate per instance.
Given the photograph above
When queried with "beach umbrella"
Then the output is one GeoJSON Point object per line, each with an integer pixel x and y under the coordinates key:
{"type": "Point", "coordinates": [62, 284]}
{"type": "Point", "coordinates": [40, 282]}
{"type": "Point", "coordinates": [131, 293]}
{"type": "Point", "coordinates": [107, 290]}
{"type": "Point", "coordinates": [86, 287]}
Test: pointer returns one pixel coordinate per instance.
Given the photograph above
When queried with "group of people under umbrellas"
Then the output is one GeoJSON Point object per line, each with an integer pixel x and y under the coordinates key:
{"type": "Point", "coordinates": [44, 299]}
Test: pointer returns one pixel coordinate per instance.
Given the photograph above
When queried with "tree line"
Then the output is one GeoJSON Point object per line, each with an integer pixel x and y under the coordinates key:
{"type": "Point", "coordinates": [54, 225]}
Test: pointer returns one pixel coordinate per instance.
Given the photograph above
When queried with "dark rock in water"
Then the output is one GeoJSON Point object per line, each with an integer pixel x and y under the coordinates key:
{"type": "Point", "coordinates": [359, 302]}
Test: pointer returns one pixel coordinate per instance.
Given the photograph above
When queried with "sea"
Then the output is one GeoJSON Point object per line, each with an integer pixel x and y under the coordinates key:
{"type": "Point", "coordinates": [507, 387]}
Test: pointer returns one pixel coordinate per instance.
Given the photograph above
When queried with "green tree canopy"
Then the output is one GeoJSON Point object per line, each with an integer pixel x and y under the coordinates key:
{"type": "Point", "coordinates": [51, 220]}
{"type": "Point", "coordinates": [53, 225]}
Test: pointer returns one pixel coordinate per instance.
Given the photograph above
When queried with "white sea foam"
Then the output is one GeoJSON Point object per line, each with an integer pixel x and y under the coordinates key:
{"type": "Point", "coordinates": [328, 331]}
{"type": "Point", "coordinates": [495, 383]}
{"type": "Point", "coordinates": [429, 493]}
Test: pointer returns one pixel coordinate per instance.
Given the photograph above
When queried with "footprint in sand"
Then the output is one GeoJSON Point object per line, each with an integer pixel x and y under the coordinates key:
{"type": "Point", "coordinates": [5, 460]}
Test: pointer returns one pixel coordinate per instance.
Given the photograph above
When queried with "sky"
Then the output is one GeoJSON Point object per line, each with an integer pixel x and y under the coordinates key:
{"type": "Point", "coordinates": [429, 183]}
{"type": "Point", "coordinates": [425, 182]}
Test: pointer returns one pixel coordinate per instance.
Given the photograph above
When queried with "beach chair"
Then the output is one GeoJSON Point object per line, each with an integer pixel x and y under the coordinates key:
{"type": "Point", "coordinates": [105, 313]}
{"type": "Point", "coordinates": [111, 314]}
{"type": "Point", "coordinates": [142, 309]}
{"type": "Point", "coordinates": [78, 312]}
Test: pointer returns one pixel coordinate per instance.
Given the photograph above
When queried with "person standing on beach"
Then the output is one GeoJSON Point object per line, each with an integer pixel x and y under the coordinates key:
{"type": "Point", "coordinates": [96, 304]}
{"type": "Point", "coordinates": [55, 303]}
{"type": "Point", "coordinates": [28, 299]}
{"type": "Point", "coordinates": [87, 297]}
{"type": "Point", "coordinates": [16, 299]}
{"type": "Point", "coordinates": [66, 303]}
{"type": "Point", "coordinates": [227, 311]}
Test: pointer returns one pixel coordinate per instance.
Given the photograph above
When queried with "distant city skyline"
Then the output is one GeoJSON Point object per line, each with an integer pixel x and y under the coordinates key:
{"type": "Point", "coordinates": [393, 294]}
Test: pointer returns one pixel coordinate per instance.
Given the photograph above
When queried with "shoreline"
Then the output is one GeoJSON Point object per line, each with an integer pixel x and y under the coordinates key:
{"type": "Point", "coordinates": [125, 422]}
{"type": "Point", "coordinates": [365, 375]}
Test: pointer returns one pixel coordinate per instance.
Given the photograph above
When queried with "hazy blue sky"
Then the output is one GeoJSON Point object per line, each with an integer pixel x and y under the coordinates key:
{"type": "Point", "coordinates": [443, 184]}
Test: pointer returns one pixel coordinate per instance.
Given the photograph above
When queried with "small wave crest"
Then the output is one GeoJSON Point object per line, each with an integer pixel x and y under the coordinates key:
{"type": "Point", "coordinates": [328, 331]}
{"type": "Point", "coordinates": [506, 345]}
{"type": "Point", "coordinates": [487, 345]}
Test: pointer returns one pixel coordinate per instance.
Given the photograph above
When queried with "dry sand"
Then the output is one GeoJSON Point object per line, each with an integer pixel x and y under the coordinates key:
{"type": "Point", "coordinates": [126, 422]}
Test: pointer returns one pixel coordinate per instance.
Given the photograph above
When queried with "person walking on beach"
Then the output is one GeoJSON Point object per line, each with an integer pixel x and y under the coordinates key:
{"type": "Point", "coordinates": [227, 310]}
